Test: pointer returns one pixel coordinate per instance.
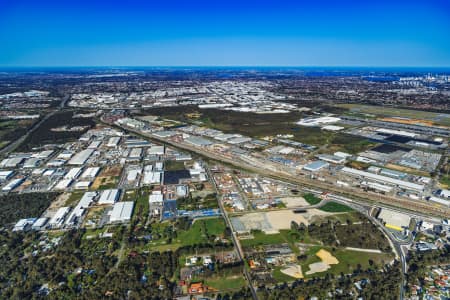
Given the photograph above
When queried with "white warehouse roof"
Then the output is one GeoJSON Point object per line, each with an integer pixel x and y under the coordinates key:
{"type": "Point", "coordinates": [109, 196]}
{"type": "Point", "coordinates": [90, 172]}
{"type": "Point", "coordinates": [121, 212]}
{"type": "Point", "coordinates": [384, 179]}
{"type": "Point", "coordinates": [81, 157]}
{"type": "Point", "coordinates": [73, 173]}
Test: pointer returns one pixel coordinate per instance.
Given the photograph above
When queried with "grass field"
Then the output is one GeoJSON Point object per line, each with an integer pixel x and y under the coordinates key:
{"type": "Point", "coordinates": [280, 276]}
{"type": "Point", "coordinates": [73, 199]}
{"type": "Point", "coordinates": [348, 262]}
{"type": "Point", "coordinates": [335, 207]}
{"type": "Point", "coordinates": [384, 111]}
{"type": "Point", "coordinates": [197, 234]}
{"type": "Point", "coordinates": [226, 283]}
{"type": "Point", "coordinates": [260, 238]}
{"type": "Point", "coordinates": [173, 165]}
{"type": "Point", "coordinates": [445, 180]}
{"type": "Point", "coordinates": [11, 130]}
{"type": "Point", "coordinates": [312, 199]}
{"type": "Point", "coordinates": [200, 230]}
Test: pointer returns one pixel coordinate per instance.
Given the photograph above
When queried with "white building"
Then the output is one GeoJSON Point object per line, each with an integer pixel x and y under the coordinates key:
{"type": "Point", "coordinates": [73, 173]}
{"type": "Point", "coordinates": [121, 212]}
{"type": "Point", "coordinates": [90, 173]}
{"type": "Point", "coordinates": [63, 184]}
{"type": "Point", "coordinates": [58, 219]}
{"type": "Point", "coordinates": [110, 196]}
{"type": "Point", "coordinates": [5, 175]}
{"type": "Point", "coordinates": [79, 210]}
{"type": "Point", "coordinates": [15, 183]}
{"type": "Point", "coordinates": [81, 157]}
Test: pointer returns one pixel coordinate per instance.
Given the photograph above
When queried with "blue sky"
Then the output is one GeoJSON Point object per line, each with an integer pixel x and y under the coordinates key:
{"type": "Point", "coordinates": [225, 33]}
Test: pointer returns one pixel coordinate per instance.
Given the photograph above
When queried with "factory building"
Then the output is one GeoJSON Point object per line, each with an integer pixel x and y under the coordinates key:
{"type": "Point", "coordinates": [94, 145]}
{"type": "Point", "coordinates": [5, 175]}
{"type": "Point", "coordinates": [63, 184]}
{"type": "Point", "coordinates": [316, 166]}
{"type": "Point", "coordinates": [384, 179]}
{"type": "Point", "coordinates": [197, 141]}
{"type": "Point", "coordinates": [331, 158]}
{"type": "Point", "coordinates": [73, 173]}
{"type": "Point", "coordinates": [11, 162]}
{"type": "Point", "coordinates": [156, 150]}
{"type": "Point", "coordinates": [121, 212]}
{"type": "Point", "coordinates": [110, 196]}
{"type": "Point", "coordinates": [90, 173]}
{"type": "Point", "coordinates": [82, 185]}
{"type": "Point", "coordinates": [113, 142]}
{"type": "Point", "coordinates": [151, 177]}
{"type": "Point", "coordinates": [58, 219]}
{"type": "Point", "coordinates": [81, 157]}
{"type": "Point", "coordinates": [394, 220]}
{"type": "Point", "coordinates": [31, 162]}
{"type": "Point", "coordinates": [24, 224]}
{"type": "Point", "coordinates": [74, 217]}
{"type": "Point", "coordinates": [39, 224]}
{"type": "Point", "coordinates": [15, 183]}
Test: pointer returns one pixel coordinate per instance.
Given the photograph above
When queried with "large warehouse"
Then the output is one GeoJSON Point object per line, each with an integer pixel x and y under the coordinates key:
{"type": "Point", "coordinates": [109, 196]}
{"type": "Point", "coordinates": [121, 212]}
{"type": "Point", "coordinates": [384, 179]}
{"type": "Point", "coordinates": [81, 157]}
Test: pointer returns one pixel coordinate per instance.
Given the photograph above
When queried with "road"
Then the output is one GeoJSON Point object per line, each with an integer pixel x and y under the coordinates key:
{"type": "Point", "coordinates": [233, 235]}
{"type": "Point", "coordinates": [12, 146]}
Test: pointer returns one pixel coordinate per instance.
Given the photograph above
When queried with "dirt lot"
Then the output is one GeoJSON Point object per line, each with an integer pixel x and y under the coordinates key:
{"type": "Point", "coordinates": [326, 257]}
{"type": "Point", "coordinates": [293, 271]}
{"type": "Point", "coordinates": [107, 176]}
{"type": "Point", "coordinates": [294, 201]}
{"type": "Point", "coordinates": [282, 219]}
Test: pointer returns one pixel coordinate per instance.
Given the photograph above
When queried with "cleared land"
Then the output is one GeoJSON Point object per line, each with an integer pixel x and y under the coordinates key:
{"type": "Point", "coordinates": [10, 130]}
{"type": "Point", "coordinates": [436, 118]}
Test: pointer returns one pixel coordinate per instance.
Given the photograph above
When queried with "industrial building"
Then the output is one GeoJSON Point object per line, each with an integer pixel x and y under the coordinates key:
{"type": "Point", "coordinates": [94, 144]}
{"type": "Point", "coordinates": [113, 142]}
{"type": "Point", "coordinates": [11, 162]}
{"type": "Point", "coordinates": [63, 184]}
{"type": "Point", "coordinates": [24, 224]}
{"type": "Point", "coordinates": [394, 219]}
{"type": "Point", "coordinates": [75, 216]}
{"type": "Point", "coordinates": [5, 175]}
{"type": "Point", "coordinates": [90, 173]}
{"type": "Point", "coordinates": [156, 150]}
{"type": "Point", "coordinates": [110, 196]}
{"type": "Point", "coordinates": [331, 158]}
{"type": "Point", "coordinates": [31, 162]}
{"type": "Point", "coordinates": [197, 141]}
{"type": "Point", "coordinates": [384, 179]}
{"type": "Point", "coordinates": [73, 173]}
{"type": "Point", "coordinates": [316, 166]}
{"type": "Point", "coordinates": [39, 224]}
{"type": "Point", "coordinates": [82, 185]}
{"type": "Point", "coordinates": [81, 157]}
{"type": "Point", "coordinates": [150, 176]}
{"type": "Point", "coordinates": [58, 218]}
{"type": "Point", "coordinates": [121, 212]}
{"type": "Point", "coordinates": [15, 183]}
{"type": "Point", "coordinates": [135, 154]}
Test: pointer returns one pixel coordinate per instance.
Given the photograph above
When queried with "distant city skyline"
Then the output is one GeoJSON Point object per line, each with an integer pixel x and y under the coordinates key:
{"type": "Point", "coordinates": [227, 33]}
